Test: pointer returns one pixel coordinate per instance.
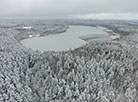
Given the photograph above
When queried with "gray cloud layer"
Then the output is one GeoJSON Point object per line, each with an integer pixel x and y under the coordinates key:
{"type": "Point", "coordinates": [68, 8]}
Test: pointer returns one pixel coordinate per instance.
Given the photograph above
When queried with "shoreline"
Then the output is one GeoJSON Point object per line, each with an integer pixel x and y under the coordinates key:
{"type": "Point", "coordinates": [109, 32]}
{"type": "Point", "coordinates": [112, 34]}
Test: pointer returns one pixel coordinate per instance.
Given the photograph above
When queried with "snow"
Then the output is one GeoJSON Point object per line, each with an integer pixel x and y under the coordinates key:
{"type": "Point", "coordinates": [30, 36]}
{"type": "Point", "coordinates": [115, 37]}
{"type": "Point", "coordinates": [100, 71]}
{"type": "Point", "coordinates": [27, 27]}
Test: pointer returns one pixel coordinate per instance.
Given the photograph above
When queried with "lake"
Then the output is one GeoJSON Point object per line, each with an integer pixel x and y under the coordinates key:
{"type": "Point", "coordinates": [74, 37]}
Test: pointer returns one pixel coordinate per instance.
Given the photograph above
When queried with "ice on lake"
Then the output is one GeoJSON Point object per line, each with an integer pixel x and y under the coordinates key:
{"type": "Point", "coordinates": [74, 37]}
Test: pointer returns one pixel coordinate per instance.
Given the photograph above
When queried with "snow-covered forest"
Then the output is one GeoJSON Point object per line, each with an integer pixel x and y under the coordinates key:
{"type": "Point", "coordinates": [100, 71]}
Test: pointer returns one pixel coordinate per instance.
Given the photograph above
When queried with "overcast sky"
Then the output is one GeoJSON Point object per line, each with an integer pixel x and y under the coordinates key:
{"type": "Point", "coordinates": [86, 9]}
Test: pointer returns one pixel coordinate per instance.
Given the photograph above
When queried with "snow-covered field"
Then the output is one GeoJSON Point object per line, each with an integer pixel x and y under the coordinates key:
{"type": "Point", "coordinates": [74, 37]}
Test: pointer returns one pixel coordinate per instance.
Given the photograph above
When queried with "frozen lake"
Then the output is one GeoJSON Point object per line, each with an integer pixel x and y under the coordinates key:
{"type": "Point", "coordinates": [74, 37]}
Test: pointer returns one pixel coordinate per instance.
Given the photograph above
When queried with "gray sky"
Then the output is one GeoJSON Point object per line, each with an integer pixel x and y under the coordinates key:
{"type": "Point", "coordinates": [86, 9]}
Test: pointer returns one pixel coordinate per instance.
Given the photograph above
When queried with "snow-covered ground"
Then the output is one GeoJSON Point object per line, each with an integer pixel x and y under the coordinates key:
{"type": "Point", "coordinates": [100, 71]}
{"type": "Point", "coordinates": [74, 37]}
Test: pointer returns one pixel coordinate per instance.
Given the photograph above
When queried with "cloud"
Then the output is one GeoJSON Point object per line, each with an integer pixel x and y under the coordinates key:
{"type": "Point", "coordinates": [68, 8]}
{"type": "Point", "coordinates": [106, 16]}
